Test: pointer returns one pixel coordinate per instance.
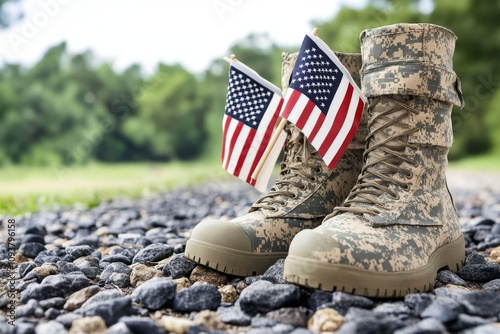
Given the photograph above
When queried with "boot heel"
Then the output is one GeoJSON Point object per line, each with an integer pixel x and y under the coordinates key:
{"type": "Point", "coordinates": [452, 256]}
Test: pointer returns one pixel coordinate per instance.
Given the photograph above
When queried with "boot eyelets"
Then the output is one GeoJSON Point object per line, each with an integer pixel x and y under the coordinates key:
{"type": "Point", "coordinates": [406, 186]}
{"type": "Point", "coordinates": [409, 175]}
{"type": "Point", "coordinates": [395, 196]}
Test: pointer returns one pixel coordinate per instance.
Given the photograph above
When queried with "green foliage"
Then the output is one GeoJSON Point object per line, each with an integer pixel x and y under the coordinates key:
{"type": "Point", "coordinates": [171, 118]}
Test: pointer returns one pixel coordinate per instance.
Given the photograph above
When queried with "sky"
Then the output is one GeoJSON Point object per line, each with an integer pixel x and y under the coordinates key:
{"type": "Point", "coordinates": [190, 32]}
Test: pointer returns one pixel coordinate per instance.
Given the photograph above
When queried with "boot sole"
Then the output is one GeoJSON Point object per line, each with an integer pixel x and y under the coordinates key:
{"type": "Point", "coordinates": [339, 277]}
{"type": "Point", "coordinates": [230, 261]}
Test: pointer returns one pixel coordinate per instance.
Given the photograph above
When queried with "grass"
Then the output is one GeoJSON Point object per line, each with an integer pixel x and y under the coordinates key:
{"type": "Point", "coordinates": [486, 163]}
{"type": "Point", "coordinates": [29, 189]}
{"type": "Point", "coordinates": [36, 188]}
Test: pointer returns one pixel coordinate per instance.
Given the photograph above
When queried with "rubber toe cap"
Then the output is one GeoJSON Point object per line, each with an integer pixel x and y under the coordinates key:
{"type": "Point", "coordinates": [223, 234]}
{"type": "Point", "coordinates": [311, 244]}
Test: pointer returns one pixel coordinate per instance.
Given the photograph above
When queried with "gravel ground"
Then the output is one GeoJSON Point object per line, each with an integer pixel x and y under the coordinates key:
{"type": "Point", "coordinates": [119, 268]}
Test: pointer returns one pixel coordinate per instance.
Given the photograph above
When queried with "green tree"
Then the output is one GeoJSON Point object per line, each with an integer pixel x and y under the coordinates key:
{"type": "Point", "coordinates": [171, 119]}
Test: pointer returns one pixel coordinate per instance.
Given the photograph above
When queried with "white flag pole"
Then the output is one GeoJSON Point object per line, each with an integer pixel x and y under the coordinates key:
{"type": "Point", "coordinates": [274, 138]}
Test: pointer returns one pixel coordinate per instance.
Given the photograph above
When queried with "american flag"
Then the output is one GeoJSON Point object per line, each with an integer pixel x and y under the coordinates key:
{"type": "Point", "coordinates": [252, 109]}
{"type": "Point", "coordinates": [323, 101]}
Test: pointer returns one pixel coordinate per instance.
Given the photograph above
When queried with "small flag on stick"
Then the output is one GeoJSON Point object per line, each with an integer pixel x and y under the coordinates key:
{"type": "Point", "coordinates": [323, 101]}
{"type": "Point", "coordinates": [252, 110]}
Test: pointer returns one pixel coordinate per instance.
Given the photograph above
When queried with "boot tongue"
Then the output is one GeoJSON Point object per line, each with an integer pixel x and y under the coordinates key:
{"type": "Point", "coordinates": [295, 170]}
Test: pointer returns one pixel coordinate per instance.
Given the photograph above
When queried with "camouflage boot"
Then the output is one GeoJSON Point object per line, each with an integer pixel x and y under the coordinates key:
{"type": "Point", "coordinates": [305, 192]}
{"type": "Point", "coordinates": [398, 226]}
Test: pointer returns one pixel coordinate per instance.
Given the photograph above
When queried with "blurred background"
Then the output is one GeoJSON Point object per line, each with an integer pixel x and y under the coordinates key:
{"type": "Point", "coordinates": [100, 98]}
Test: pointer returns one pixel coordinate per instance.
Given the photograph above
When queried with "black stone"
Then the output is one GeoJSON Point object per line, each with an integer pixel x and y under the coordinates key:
{"type": "Point", "coordinates": [492, 285]}
{"type": "Point", "coordinates": [79, 251]}
{"type": "Point", "coordinates": [113, 258]}
{"type": "Point", "coordinates": [56, 302]}
{"type": "Point", "coordinates": [197, 298]}
{"type": "Point", "coordinates": [233, 315]}
{"type": "Point", "coordinates": [52, 313]}
{"type": "Point", "coordinates": [100, 297]}
{"type": "Point", "coordinates": [262, 322]}
{"type": "Point", "coordinates": [275, 273]}
{"type": "Point", "coordinates": [369, 325]}
{"type": "Point", "coordinates": [482, 303]}
{"type": "Point", "coordinates": [426, 326]}
{"type": "Point", "coordinates": [465, 321]}
{"type": "Point", "coordinates": [449, 277]}
{"type": "Point", "coordinates": [263, 296]}
{"type": "Point", "coordinates": [54, 286]}
{"type": "Point", "coordinates": [475, 258]}
{"type": "Point", "coordinates": [65, 267]}
{"type": "Point", "coordinates": [24, 328]}
{"type": "Point", "coordinates": [318, 298]}
{"type": "Point", "coordinates": [154, 253]}
{"type": "Point", "coordinates": [294, 316]}
{"type": "Point", "coordinates": [67, 319]}
{"type": "Point", "coordinates": [115, 267]}
{"type": "Point", "coordinates": [156, 293]}
{"type": "Point", "coordinates": [119, 279]}
{"type": "Point", "coordinates": [418, 302]}
{"type": "Point", "coordinates": [43, 258]}
{"type": "Point", "coordinates": [178, 266]}
{"type": "Point", "coordinates": [141, 325]}
{"type": "Point", "coordinates": [110, 310]}
{"type": "Point", "coordinates": [495, 229]}
{"type": "Point", "coordinates": [444, 309]}
{"type": "Point", "coordinates": [29, 237]}
{"type": "Point", "coordinates": [344, 300]}
{"type": "Point", "coordinates": [480, 272]}
{"type": "Point", "coordinates": [119, 328]}
{"type": "Point", "coordinates": [25, 268]}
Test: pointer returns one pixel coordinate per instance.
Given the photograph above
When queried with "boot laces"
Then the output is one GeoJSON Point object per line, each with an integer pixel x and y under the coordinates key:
{"type": "Point", "coordinates": [384, 154]}
{"type": "Point", "coordinates": [300, 163]}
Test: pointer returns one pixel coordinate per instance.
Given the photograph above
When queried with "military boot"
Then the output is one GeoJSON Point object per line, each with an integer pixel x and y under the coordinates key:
{"type": "Point", "coordinates": [305, 191]}
{"type": "Point", "coordinates": [398, 226]}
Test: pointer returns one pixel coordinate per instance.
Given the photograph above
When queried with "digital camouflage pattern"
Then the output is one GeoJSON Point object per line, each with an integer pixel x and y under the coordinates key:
{"type": "Point", "coordinates": [410, 59]}
{"type": "Point", "coordinates": [400, 214]}
{"type": "Point", "coordinates": [305, 192]}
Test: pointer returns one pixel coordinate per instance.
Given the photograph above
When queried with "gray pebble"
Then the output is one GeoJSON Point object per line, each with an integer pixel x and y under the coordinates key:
{"type": "Point", "coordinates": [110, 310]}
{"type": "Point", "coordinates": [233, 315]}
{"type": "Point", "coordinates": [197, 298]}
{"type": "Point", "coordinates": [154, 253]}
{"type": "Point", "coordinates": [426, 326]}
{"type": "Point", "coordinates": [482, 303]}
{"type": "Point", "coordinates": [141, 325]}
{"type": "Point", "coordinates": [449, 277]}
{"type": "Point", "coordinates": [119, 328]}
{"type": "Point", "coordinates": [31, 249]}
{"type": "Point", "coordinates": [179, 266]}
{"type": "Point", "coordinates": [51, 327]}
{"type": "Point", "coordinates": [156, 293]}
{"type": "Point", "coordinates": [68, 318]}
{"type": "Point", "coordinates": [263, 296]}
{"type": "Point", "coordinates": [116, 267]}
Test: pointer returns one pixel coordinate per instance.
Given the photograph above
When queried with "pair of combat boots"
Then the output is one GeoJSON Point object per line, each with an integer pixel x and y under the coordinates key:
{"type": "Point", "coordinates": [382, 222]}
